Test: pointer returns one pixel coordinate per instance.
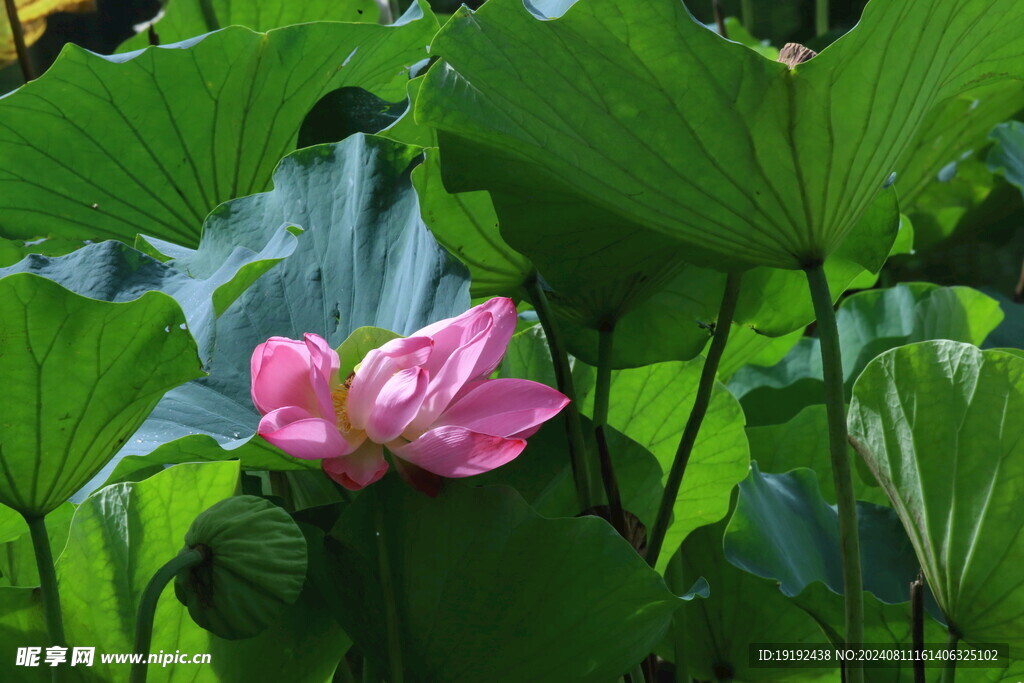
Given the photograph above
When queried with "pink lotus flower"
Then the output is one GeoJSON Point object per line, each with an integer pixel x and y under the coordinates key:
{"type": "Point", "coordinates": [425, 397]}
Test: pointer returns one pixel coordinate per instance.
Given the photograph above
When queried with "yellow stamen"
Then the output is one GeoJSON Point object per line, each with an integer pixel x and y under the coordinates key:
{"type": "Point", "coordinates": [340, 398]}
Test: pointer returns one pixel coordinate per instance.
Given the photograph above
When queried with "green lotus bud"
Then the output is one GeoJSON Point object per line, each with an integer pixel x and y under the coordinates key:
{"type": "Point", "coordinates": [254, 566]}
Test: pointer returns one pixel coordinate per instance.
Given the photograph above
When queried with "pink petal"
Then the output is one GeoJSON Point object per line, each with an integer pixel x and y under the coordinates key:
{"type": "Point", "coordinates": [325, 359]}
{"type": "Point", "coordinates": [377, 368]}
{"type": "Point", "coordinates": [526, 433]}
{"type": "Point", "coordinates": [505, 317]}
{"type": "Point", "coordinates": [323, 372]}
{"type": "Point", "coordinates": [300, 436]}
{"type": "Point", "coordinates": [282, 417]}
{"type": "Point", "coordinates": [397, 404]}
{"type": "Point", "coordinates": [280, 376]}
{"type": "Point", "coordinates": [451, 335]}
{"type": "Point", "coordinates": [407, 351]}
{"type": "Point", "coordinates": [458, 452]}
{"type": "Point", "coordinates": [454, 332]}
{"type": "Point", "coordinates": [466, 388]}
{"type": "Point", "coordinates": [457, 370]}
{"type": "Point", "coordinates": [358, 469]}
{"type": "Point", "coordinates": [505, 407]}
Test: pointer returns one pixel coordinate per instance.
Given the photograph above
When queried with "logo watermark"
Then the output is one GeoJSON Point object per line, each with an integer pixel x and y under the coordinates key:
{"type": "Point", "coordinates": [86, 656]}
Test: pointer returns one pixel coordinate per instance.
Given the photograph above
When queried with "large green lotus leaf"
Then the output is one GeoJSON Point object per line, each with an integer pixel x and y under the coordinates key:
{"type": "Point", "coordinates": [17, 557]}
{"type": "Point", "coordinates": [746, 346]}
{"type": "Point", "coordinates": [204, 282]}
{"type": "Point", "coordinates": [663, 321]}
{"type": "Point", "coordinates": [484, 589]}
{"type": "Point", "coordinates": [884, 625]}
{"type": "Point", "coordinates": [81, 376]}
{"type": "Point", "coordinates": [347, 111]}
{"type": "Point", "coordinates": [1010, 333]}
{"type": "Point", "coordinates": [973, 198]}
{"type": "Point", "coordinates": [783, 529]}
{"type": "Point", "coordinates": [184, 18]}
{"type": "Point", "coordinates": [953, 132]}
{"type": "Point", "coordinates": [946, 185]}
{"type": "Point", "coordinates": [123, 534]}
{"type": "Point", "coordinates": [965, 197]}
{"type": "Point", "coordinates": [599, 268]}
{"type": "Point", "coordinates": [741, 609]}
{"type": "Point", "coordinates": [253, 454]}
{"type": "Point", "coordinates": [644, 114]}
{"type": "Point", "coordinates": [1007, 154]}
{"type": "Point", "coordinates": [938, 422]}
{"type": "Point", "coordinates": [12, 524]}
{"type": "Point", "coordinates": [22, 624]}
{"type": "Point", "coordinates": [406, 130]}
{"type": "Point", "coordinates": [150, 142]}
{"type": "Point", "coordinates": [889, 625]}
{"type": "Point", "coordinates": [542, 473]}
{"type": "Point", "coordinates": [466, 225]}
{"type": "Point", "coordinates": [207, 282]}
{"type": "Point", "coordinates": [355, 201]}
{"type": "Point", "coordinates": [869, 323]}
{"type": "Point", "coordinates": [669, 320]}
{"type": "Point", "coordinates": [803, 442]}
{"type": "Point", "coordinates": [119, 538]}
{"type": "Point", "coordinates": [528, 357]}
{"type": "Point", "coordinates": [306, 631]}
{"type": "Point", "coordinates": [1014, 673]}
{"type": "Point", "coordinates": [543, 476]}
{"type": "Point", "coordinates": [676, 320]}
{"type": "Point", "coordinates": [650, 405]}
{"type": "Point", "coordinates": [12, 251]}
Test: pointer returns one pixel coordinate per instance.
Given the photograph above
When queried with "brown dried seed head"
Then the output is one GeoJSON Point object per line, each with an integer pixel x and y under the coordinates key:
{"type": "Point", "coordinates": [794, 53]}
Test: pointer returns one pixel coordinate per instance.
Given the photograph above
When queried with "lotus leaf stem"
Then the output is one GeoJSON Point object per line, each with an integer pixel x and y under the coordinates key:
{"type": "Point", "coordinates": [183, 561]}
{"type": "Point", "coordinates": [602, 399]}
{"type": "Point", "coordinates": [835, 405]}
{"type": "Point", "coordinates": [726, 313]}
{"type": "Point", "coordinates": [209, 15]}
{"type": "Point", "coordinates": [47, 583]}
{"type": "Point", "coordinates": [565, 384]}
{"type": "Point", "coordinates": [18, 34]}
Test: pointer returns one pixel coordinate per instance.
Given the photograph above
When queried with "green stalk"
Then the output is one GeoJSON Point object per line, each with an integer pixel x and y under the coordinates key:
{"type": "Point", "coordinates": [209, 15]}
{"type": "Point", "coordinates": [18, 34]}
{"type": "Point", "coordinates": [726, 312]}
{"type": "Point", "coordinates": [563, 378]}
{"type": "Point", "coordinates": [917, 625]}
{"type": "Point", "coordinates": [47, 583]}
{"type": "Point", "coordinates": [395, 671]}
{"type": "Point", "coordinates": [747, 15]}
{"type": "Point", "coordinates": [835, 405]}
{"type": "Point", "coordinates": [821, 19]}
{"type": "Point", "coordinates": [949, 670]}
{"type": "Point", "coordinates": [637, 675]}
{"type": "Point", "coordinates": [186, 559]}
{"type": "Point", "coordinates": [674, 575]}
{"type": "Point", "coordinates": [716, 10]}
{"type": "Point", "coordinates": [602, 396]}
